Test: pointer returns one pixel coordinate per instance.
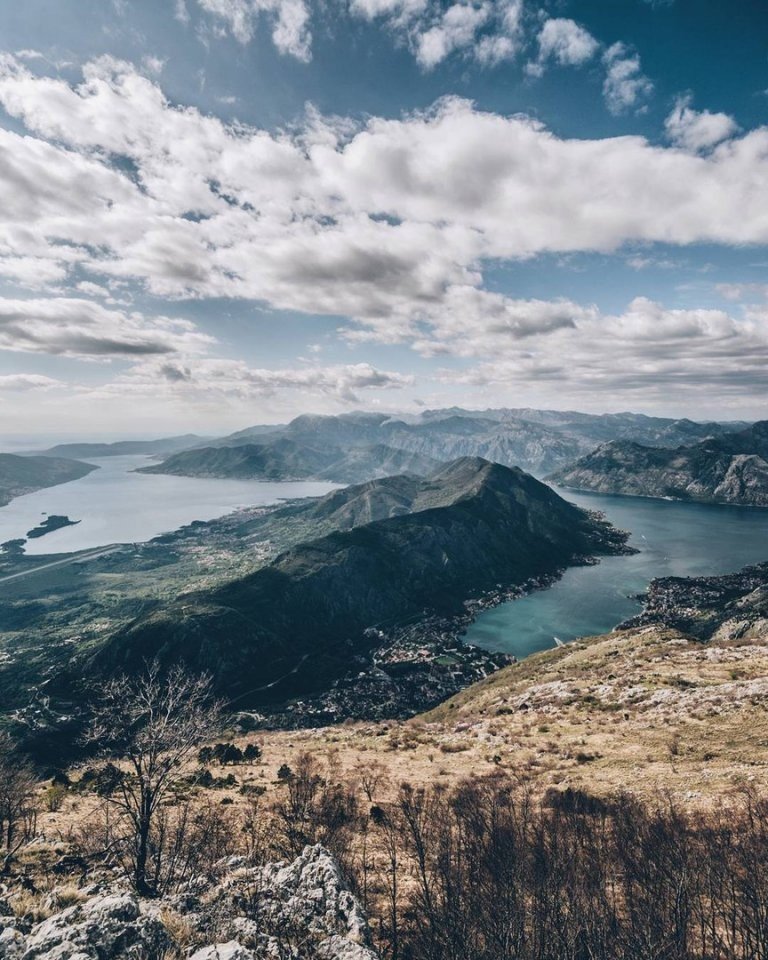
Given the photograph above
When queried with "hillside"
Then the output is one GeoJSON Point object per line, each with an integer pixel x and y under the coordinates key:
{"type": "Point", "coordinates": [298, 623]}
{"type": "Point", "coordinates": [648, 707]}
{"type": "Point", "coordinates": [20, 475]}
{"type": "Point", "coordinates": [284, 458]}
{"type": "Point", "coordinates": [732, 468]}
{"type": "Point", "coordinates": [120, 448]}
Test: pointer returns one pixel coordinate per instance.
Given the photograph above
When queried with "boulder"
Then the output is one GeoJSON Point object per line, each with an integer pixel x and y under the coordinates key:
{"type": "Point", "coordinates": [224, 951]}
{"type": "Point", "coordinates": [12, 944]}
{"type": "Point", "coordinates": [307, 894]}
{"type": "Point", "coordinates": [106, 928]}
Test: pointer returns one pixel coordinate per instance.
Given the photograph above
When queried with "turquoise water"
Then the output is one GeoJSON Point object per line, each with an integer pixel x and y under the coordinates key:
{"type": "Point", "coordinates": [674, 539]}
{"type": "Point", "coordinates": [116, 505]}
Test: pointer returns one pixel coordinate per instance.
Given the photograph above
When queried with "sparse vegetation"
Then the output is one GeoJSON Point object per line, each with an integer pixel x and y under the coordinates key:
{"type": "Point", "coordinates": [153, 723]}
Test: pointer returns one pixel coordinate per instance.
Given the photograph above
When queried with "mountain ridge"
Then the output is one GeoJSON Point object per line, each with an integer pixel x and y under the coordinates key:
{"type": "Point", "coordinates": [305, 615]}
{"type": "Point", "coordinates": [539, 441]}
{"type": "Point", "coordinates": [730, 469]}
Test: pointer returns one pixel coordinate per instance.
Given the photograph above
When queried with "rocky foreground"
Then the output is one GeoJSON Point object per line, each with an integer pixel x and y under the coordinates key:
{"type": "Point", "coordinates": [274, 912]}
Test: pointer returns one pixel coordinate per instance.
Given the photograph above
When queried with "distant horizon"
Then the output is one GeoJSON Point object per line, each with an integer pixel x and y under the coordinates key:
{"type": "Point", "coordinates": [29, 442]}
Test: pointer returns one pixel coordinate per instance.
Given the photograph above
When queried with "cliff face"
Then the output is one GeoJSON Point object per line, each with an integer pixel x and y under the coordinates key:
{"type": "Point", "coordinates": [297, 624]}
{"type": "Point", "coordinates": [728, 469]}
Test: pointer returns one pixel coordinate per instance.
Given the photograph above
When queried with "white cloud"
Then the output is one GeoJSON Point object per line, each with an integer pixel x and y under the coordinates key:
{"type": "Point", "coordinates": [387, 223]}
{"type": "Point", "coordinates": [32, 272]}
{"type": "Point", "coordinates": [564, 42]}
{"type": "Point", "coordinates": [455, 30]}
{"type": "Point", "coordinates": [23, 382]}
{"type": "Point", "coordinates": [625, 86]}
{"type": "Point", "coordinates": [209, 377]}
{"type": "Point", "coordinates": [698, 130]}
{"type": "Point", "coordinates": [738, 291]}
{"type": "Point", "coordinates": [648, 350]}
{"type": "Point", "coordinates": [81, 328]}
{"type": "Point", "coordinates": [488, 31]}
{"type": "Point", "coordinates": [398, 11]}
{"type": "Point", "coordinates": [289, 18]}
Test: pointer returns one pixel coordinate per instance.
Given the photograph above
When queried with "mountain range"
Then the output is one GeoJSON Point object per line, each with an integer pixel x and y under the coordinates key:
{"type": "Point", "coordinates": [322, 447]}
{"type": "Point", "coordinates": [730, 468]}
{"type": "Point", "coordinates": [402, 546]}
{"type": "Point", "coordinates": [120, 448]}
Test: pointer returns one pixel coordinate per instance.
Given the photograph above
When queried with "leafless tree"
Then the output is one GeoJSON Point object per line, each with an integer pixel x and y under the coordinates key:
{"type": "Point", "coordinates": [17, 799]}
{"type": "Point", "coordinates": [153, 722]}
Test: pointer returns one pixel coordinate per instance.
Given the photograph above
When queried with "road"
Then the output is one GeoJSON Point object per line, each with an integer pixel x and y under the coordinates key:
{"type": "Point", "coordinates": [75, 558]}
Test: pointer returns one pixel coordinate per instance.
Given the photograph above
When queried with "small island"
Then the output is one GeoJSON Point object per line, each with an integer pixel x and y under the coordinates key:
{"type": "Point", "coordinates": [50, 524]}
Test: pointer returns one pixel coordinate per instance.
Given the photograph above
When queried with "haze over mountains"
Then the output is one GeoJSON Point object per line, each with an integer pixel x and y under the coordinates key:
{"type": "Point", "coordinates": [286, 459]}
{"type": "Point", "coordinates": [402, 546]}
{"type": "Point", "coordinates": [730, 468]}
{"type": "Point", "coordinates": [120, 448]}
{"type": "Point", "coordinates": [321, 447]}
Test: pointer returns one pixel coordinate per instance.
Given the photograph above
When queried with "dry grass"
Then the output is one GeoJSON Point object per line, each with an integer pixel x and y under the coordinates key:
{"type": "Point", "coordinates": [647, 710]}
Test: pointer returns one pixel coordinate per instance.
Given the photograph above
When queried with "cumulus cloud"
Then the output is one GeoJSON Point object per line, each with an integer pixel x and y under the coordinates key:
{"type": "Point", "coordinates": [289, 20]}
{"type": "Point", "coordinates": [387, 223]}
{"type": "Point", "coordinates": [456, 29]}
{"type": "Point", "coordinates": [625, 86]}
{"type": "Point", "coordinates": [646, 349]}
{"type": "Point", "coordinates": [209, 378]}
{"type": "Point", "coordinates": [74, 327]}
{"type": "Point", "coordinates": [564, 42]}
{"type": "Point", "coordinates": [697, 130]}
{"type": "Point", "coordinates": [22, 382]}
{"type": "Point", "coordinates": [487, 31]}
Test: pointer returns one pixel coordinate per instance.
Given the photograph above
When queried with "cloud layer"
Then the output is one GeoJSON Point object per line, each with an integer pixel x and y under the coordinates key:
{"type": "Point", "coordinates": [366, 221]}
{"type": "Point", "coordinates": [387, 224]}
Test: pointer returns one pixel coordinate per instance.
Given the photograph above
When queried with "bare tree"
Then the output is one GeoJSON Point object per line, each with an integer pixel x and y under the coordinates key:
{"type": "Point", "coordinates": [17, 799]}
{"type": "Point", "coordinates": [154, 722]}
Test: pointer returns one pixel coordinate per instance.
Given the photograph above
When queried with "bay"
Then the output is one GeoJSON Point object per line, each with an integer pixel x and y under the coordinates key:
{"type": "Point", "coordinates": [674, 539]}
{"type": "Point", "coordinates": [116, 505]}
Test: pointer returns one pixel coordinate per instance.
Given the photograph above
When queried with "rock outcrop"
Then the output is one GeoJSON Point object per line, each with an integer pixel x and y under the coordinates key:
{"type": "Point", "coordinates": [301, 909]}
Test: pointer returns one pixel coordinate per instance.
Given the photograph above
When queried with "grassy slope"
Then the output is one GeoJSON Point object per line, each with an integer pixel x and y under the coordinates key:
{"type": "Point", "coordinates": [644, 710]}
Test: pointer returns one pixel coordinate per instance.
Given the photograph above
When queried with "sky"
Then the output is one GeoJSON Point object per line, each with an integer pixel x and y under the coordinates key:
{"type": "Point", "coordinates": [216, 213]}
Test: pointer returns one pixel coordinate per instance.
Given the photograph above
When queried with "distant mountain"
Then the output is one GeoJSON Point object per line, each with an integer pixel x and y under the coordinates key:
{"type": "Point", "coordinates": [284, 458]}
{"type": "Point", "coordinates": [297, 624]}
{"type": "Point", "coordinates": [656, 431]}
{"type": "Point", "coordinates": [535, 440]}
{"type": "Point", "coordinates": [124, 447]}
{"type": "Point", "coordinates": [20, 475]}
{"type": "Point", "coordinates": [732, 468]}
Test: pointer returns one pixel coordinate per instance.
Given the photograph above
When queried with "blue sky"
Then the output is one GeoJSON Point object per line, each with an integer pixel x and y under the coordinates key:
{"type": "Point", "coordinates": [220, 212]}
